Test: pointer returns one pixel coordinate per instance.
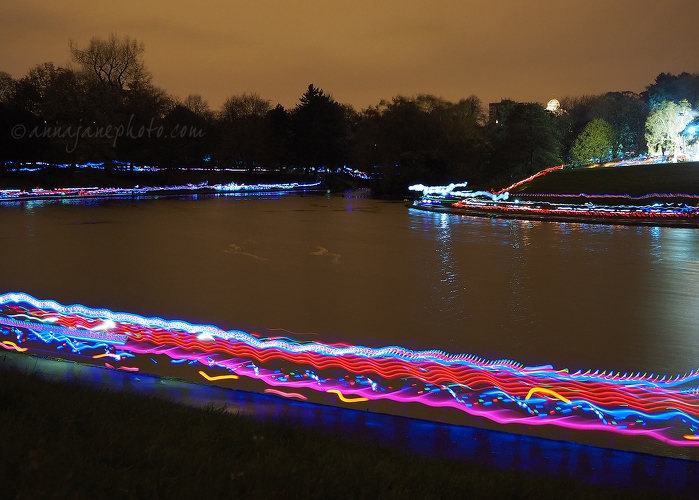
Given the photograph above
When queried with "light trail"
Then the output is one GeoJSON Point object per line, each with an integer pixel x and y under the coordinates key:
{"type": "Point", "coordinates": [97, 192]}
{"type": "Point", "coordinates": [345, 399]}
{"type": "Point", "coordinates": [661, 406]}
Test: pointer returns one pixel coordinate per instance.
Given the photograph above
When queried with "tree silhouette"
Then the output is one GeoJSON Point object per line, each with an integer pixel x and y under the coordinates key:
{"type": "Point", "coordinates": [525, 139]}
{"type": "Point", "coordinates": [319, 131]}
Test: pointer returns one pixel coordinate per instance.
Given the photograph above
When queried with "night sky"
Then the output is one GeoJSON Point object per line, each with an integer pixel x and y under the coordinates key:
{"type": "Point", "coordinates": [362, 51]}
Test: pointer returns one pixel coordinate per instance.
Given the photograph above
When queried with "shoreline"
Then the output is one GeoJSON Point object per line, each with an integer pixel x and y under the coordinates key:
{"type": "Point", "coordinates": [140, 424]}
{"type": "Point", "coordinates": [78, 193]}
{"type": "Point", "coordinates": [498, 212]}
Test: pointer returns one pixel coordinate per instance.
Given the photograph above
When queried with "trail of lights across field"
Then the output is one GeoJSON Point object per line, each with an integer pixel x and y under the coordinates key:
{"type": "Point", "coordinates": [91, 192]}
{"type": "Point", "coordinates": [609, 196]}
{"type": "Point", "coordinates": [497, 204]}
{"type": "Point", "coordinates": [665, 408]}
{"type": "Point", "coordinates": [649, 213]}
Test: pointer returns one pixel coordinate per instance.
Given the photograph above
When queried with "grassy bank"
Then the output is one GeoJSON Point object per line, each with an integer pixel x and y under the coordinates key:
{"type": "Point", "coordinates": [634, 180]}
{"type": "Point", "coordinates": [64, 440]}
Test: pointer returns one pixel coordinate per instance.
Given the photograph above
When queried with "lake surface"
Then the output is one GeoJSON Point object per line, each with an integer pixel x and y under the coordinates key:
{"type": "Point", "coordinates": [349, 268]}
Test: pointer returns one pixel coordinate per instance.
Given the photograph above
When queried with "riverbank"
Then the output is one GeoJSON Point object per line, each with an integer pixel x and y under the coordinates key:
{"type": "Point", "coordinates": [584, 214]}
{"type": "Point", "coordinates": [73, 439]}
{"type": "Point", "coordinates": [633, 195]}
{"type": "Point", "coordinates": [54, 177]}
{"type": "Point", "coordinates": [66, 183]}
{"type": "Point", "coordinates": [614, 185]}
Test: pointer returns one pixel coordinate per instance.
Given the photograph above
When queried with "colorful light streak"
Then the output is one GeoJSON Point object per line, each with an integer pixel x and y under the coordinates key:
{"type": "Point", "coordinates": [283, 394]}
{"type": "Point", "coordinates": [496, 204]}
{"type": "Point", "coordinates": [219, 377]}
{"type": "Point", "coordinates": [432, 195]}
{"type": "Point", "coordinates": [345, 399]}
{"type": "Point", "coordinates": [543, 390]}
{"type": "Point", "coordinates": [14, 346]}
{"type": "Point", "coordinates": [504, 391]}
{"type": "Point", "coordinates": [235, 188]}
{"type": "Point", "coordinates": [97, 192]}
{"type": "Point", "coordinates": [437, 190]}
{"type": "Point", "coordinates": [652, 215]}
{"type": "Point", "coordinates": [587, 212]}
{"type": "Point", "coordinates": [542, 173]}
{"type": "Point", "coordinates": [609, 196]}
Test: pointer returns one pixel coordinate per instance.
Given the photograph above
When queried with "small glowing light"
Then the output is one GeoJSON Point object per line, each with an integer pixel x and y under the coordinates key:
{"type": "Point", "coordinates": [345, 399]}
{"type": "Point", "coordinates": [220, 377]}
{"type": "Point", "coordinates": [14, 346]}
{"type": "Point", "coordinates": [543, 390]}
{"type": "Point", "coordinates": [294, 395]}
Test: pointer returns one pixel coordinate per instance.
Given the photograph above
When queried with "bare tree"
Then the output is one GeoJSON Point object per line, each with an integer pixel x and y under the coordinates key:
{"type": "Point", "coordinates": [246, 130]}
{"type": "Point", "coordinates": [115, 61]}
{"type": "Point", "coordinates": [197, 105]}
{"type": "Point", "coordinates": [7, 87]}
{"type": "Point", "coordinates": [244, 106]}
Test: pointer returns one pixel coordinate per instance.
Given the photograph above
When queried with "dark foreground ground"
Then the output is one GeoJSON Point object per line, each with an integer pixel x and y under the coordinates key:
{"type": "Point", "coordinates": [75, 440]}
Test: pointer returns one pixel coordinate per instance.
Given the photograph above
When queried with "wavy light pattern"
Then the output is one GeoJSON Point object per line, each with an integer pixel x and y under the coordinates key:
{"type": "Point", "coordinates": [496, 205]}
{"type": "Point", "coordinates": [590, 211]}
{"type": "Point", "coordinates": [438, 190]}
{"type": "Point", "coordinates": [609, 196]}
{"type": "Point", "coordinates": [92, 192]}
{"type": "Point", "coordinates": [235, 188]}
{"type": "Point", "coordinates": [433, 195]}
{"type": "Point", "coordinates": [505, 391]}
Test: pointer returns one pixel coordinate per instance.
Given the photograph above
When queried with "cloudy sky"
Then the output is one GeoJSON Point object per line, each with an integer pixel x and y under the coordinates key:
{"type": "Point", "coordinates": [362, 51]}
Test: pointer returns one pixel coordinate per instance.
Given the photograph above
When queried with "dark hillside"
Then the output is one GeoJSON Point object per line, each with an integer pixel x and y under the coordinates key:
{"type": "Point", "coordinates": [633, 180]}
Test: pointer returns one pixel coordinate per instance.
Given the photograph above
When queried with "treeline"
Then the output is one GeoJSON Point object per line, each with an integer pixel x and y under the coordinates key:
{"type": "Point", "coordinates": [106, 109]}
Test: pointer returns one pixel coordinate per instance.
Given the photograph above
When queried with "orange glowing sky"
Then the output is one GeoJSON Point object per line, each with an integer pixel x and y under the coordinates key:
{"type": "Point", "coordinates": [362, 51]}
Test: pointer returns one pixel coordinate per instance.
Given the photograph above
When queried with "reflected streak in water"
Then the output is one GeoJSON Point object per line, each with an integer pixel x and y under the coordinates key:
{"type": "Point", "coordinates": [677, 279]}
{"type": "Point", "coordinates": [655, 249]}
{"type": "Point", "coordinates": [447, 291]}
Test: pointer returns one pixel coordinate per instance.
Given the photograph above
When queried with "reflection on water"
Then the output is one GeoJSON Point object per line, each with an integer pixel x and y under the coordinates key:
{"type": "Point", "coordinates": [446, 285]}
{"type": "Point", "coordinates": [675, 281]}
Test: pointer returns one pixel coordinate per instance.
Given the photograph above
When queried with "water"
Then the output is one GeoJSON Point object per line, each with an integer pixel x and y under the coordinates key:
{"type": "Point", "coordinates": [354, 269]}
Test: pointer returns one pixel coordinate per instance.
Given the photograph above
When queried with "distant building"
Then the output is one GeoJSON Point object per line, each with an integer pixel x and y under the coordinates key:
{"type": "Point", "coordinates": [495, 110]}
{"type": "Point", "coordinates": [553, 106]}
